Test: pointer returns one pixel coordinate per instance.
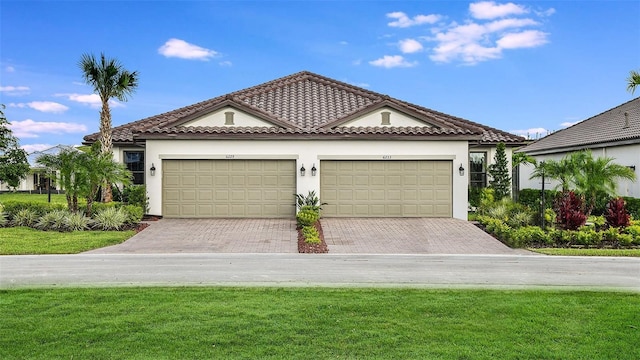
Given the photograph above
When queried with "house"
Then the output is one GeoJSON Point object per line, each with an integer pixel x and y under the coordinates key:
{"type": "Point", "coordinates": [37, 180]}
{"type": "Point", "coordinates": [614, 133]}
{"type": "Point", "coordinates": [246, 154]}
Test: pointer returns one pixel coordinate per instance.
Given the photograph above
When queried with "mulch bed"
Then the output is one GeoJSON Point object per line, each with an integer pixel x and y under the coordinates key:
{"type": "Point", "coordinates": [306, 248]}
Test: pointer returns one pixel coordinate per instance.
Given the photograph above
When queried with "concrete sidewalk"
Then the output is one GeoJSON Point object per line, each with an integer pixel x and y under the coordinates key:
{"type": "Point", "coordinates": [421, 271]}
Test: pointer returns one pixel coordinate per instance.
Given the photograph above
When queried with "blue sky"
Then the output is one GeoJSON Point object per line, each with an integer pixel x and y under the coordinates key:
{"type": "Point", "coordinates": [523, 67]}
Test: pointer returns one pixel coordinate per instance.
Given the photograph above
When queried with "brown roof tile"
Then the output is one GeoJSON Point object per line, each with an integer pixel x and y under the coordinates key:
{"type": "Point", "coordinates": [305, 105]}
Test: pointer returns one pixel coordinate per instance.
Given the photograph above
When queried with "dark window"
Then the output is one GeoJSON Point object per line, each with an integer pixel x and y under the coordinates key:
{"type": "Point", "coordinates": [134, 160]}
{"type": "Point", "coordinates": [478, 169]}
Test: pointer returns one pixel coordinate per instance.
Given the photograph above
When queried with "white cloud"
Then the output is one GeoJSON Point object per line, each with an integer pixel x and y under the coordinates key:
{"type": "Point", "coordinates": [92, 100]}
{"type": "Point", "coordinates": [356, 62]}
{"type": "Point", "coordinates": [184, 50]}
{"type": "Point", "coordinates": [548, 12]}
{"type": "Point", "coordinates": [533, 133]}
{"type": "Point", "coordinates": [10, 69]}
{"type": "Point", "coordinates": [525, 39]}
{"type": "Point", "coordinates": [403, 21]}
{"type": "Point", "coordinates": [33, 129]}
{"type": "Point", "coordinates": [15, 90]}
{"type": "Point", "coordinates": [491, 10]}
{"type": "Point", "coordinates": [389, 61]}
{"type": "Point", "coordinates": [569, 123]}
{"type": "Point", "coordinates": [36, 147]}
{"type": "Point", "coordinates": [409, 46]}
{"type": "Point", "coordinates": [343, 43]}
{"type": "Point", "coordinates": [476, 41]}
{"type": "Point", "coordinates": [225, 63]}
{"type": "Point", "coordinates": [44, 106]}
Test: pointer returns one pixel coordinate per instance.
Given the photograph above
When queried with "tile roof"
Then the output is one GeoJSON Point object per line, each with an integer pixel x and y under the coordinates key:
{"type": "Point", "coordinates": [305, 105]}
{"type": "Point", "coordinates": [619, 124]}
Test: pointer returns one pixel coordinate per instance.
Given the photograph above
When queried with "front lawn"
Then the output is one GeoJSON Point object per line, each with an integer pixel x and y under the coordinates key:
{"type": "Point", "coordinates": [36, 198]}
{"type": "Point", "coordinates": [26, 241]}
{"type": "Point", "coordinates": [317, 323]}
{"type": "Point", "coordinates": [587, 252]}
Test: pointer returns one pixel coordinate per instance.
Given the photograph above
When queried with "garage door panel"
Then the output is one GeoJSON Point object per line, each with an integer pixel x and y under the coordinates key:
{"type": "Point", "coordinates": [386, 188]}
{"type": "Point", "coordinates": [229, 188]}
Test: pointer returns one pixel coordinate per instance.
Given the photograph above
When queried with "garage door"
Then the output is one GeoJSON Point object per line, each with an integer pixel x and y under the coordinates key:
{"type": "Point", "coordinates": [228, 188]}
{"type": "Point", "coordinates": [386, 188]}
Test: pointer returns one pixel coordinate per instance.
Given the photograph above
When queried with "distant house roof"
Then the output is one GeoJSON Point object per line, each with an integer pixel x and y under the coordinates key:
{"type": "Point", "coordinates": [305, 105]}
{"type": "Point", "coordinates": [617, 126]}
{"type": "Point", "coordinates": [55, 150]}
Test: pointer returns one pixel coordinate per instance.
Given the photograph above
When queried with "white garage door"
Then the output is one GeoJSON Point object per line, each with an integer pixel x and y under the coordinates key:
{"type": "Point", "coordinates": [386, 188]}
{"type": "Point", "coordinates": [228, 188]}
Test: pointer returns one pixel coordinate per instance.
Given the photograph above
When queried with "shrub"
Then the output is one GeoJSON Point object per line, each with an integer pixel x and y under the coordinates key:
{"type": "Point", "coordinates": [498, 211]}
{"type": "Point", "coordinates": [25, 217]}
{"type": "Point", "coordinates": [3, 219]}
{"type": "Point", "coordinates": [520, 218]}
{"type": "Point", "coordinates": [55, 220]}
{"type": "Point", "coordinates": [597, 221]}
{"type": "Point", "coordinates": [588, 237]}
{"type": "Point", "coordinates": [625, 239]}
{"type": "Point", "coordinates": [311, 234]}
{"type": "Point", "coordinates": [134, 214]}
{"type": "Point", "coordinates": [634, 231]}
{"type": "Point", "coordinates": [528, 235]}
{"type": "Point", "coordinates": [616, 214]}
{"type": "Point", "coordinates": [561, 237]}
{"type": "Point", "coordinates": [474, 196]}
{"type": "Point", "coordinates": [110, 219]}
{"type": "Point", "coordinates": [569, 211]}
{"type": "Point", "coordinates": [78, 222]}
{"type": "Point", "coordinates": [633, 206]}
{"type": "Point", "coordinates": [11, 208]}
{"type": "Point", "coordinates": [532, 198]}
{"type": "Point", "coordinates": [136, 195]}
{"type": "Point", "coordinates": [310, 200]}
{"type": "Point", "coordinates": [307, 216]}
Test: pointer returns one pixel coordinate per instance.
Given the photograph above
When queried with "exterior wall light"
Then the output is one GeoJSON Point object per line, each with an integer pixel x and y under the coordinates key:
{"type": "Point", "coordinates": [461, 170]}
{"type": "Point", "coordinates": [632, 167]}
{"type": "Point", "coordinates": [314, 171]}
{"type": "Point", "coordinates": [302, 170]}
{"type": "Point", "coordinates": [152, 171]}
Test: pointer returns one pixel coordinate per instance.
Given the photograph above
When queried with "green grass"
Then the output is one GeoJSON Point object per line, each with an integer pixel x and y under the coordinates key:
{"type": "Point", "coordinates": [37, 198]}
{"type": "Point", "coordinates": [588, 252]}
{"type": "Point", "coordinates": [24, 241]}
{"type": "Point", "coordinates": [317, 323]}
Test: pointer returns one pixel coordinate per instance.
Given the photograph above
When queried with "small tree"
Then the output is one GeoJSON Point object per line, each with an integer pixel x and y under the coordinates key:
{"type": "Point", "coordinates": [633, 81]}
{"type": "Point", "coordinates": [500, 179]}
{"type": "Point", "coordinates": [569, 211]}
{"type": "Point", "coordinates": [13, 160]}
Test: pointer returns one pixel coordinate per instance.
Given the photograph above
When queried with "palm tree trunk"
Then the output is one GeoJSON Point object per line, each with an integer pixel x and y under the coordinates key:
{"type": "Point", "coordinates": [106, 145]}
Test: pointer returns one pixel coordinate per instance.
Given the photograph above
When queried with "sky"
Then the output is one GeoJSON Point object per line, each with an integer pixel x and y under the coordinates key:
{"type": "Point", "coordinates": [526, 67]}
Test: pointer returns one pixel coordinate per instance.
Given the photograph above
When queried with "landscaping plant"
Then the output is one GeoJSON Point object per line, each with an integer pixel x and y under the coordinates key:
{"type": "Point", "coordinates": [569, 211]}
{"type": "Point", "coordinates": [616, 214]}
{"type": "Point", "coordinates": [500, 180]}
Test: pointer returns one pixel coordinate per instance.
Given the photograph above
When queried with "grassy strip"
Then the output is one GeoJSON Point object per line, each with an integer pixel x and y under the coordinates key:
{"type": "Point", "coordinates": [26, 241]}
{"type": "Point", "coordinates": [36, 198]}
{"type": "Point", "coordinates": [317, 323]}
{"type": "Point", "coordinates": [588, 252]}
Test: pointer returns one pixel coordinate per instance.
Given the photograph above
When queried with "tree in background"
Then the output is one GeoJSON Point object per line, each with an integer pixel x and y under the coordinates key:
{"type": "Point", "coordinates": [81, 173]}
{"type": "Point", "coordinates": [500, 179]}
{"type": "Point", "coordinates": [109, 80]}
{"type": "Point", "coordinates": [633, 81]}
{"type": "Point", "coordinates": [14, 165]}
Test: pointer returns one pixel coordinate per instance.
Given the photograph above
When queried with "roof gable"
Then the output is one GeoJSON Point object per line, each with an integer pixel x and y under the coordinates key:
{"type": "Point", "coordinates": [304, 104]}
{"type": "Point", "coordinates": [617, 125]}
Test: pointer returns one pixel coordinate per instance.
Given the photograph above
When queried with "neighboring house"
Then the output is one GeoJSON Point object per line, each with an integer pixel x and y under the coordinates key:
{"type": "Point", "coordinates": [614, 133]}
{"type": "Point", "coordinates": [37, 181]}
{"type": "Point", "coordinates": [247, 153]}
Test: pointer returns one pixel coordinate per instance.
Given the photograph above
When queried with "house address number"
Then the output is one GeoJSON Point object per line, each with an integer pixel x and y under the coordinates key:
{"type": "Point", "coordinates": [386, 157]}
{"type": "Point", "coordinates": [229, 156]}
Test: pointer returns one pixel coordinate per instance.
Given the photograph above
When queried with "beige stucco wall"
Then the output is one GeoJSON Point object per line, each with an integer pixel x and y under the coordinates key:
{"type": "Point", "coordinates": [626, 155]}
{"type": "Point", "coordinates": [308, 152]}
{"type": "Point", "coordinates": [218, 119]}
{"type": "Point", "coordinates": [375, 119]}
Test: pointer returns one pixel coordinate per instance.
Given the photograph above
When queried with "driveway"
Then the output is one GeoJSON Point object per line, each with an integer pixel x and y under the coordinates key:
{"type": "Point", "coordinates": [211, 236]}
{"type": "Point", "coordinates": [409, 236]}
{"type": "Point", "coordinates": [343, 236]}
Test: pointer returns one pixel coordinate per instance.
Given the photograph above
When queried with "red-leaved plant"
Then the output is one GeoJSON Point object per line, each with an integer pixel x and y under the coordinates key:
{"type": "Point", "coordinates": [616, 214]}
{"type": "Point", "coordinates": [569, 210]}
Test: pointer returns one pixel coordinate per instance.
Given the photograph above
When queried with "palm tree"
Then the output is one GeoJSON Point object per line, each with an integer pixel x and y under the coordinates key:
{"type": "Point", "coordinates": [100, 168]}
{"type": "Point", "coordinates": [109, 80]}
{"type": "Point", "coordinates": [66, 166]}
{"type": "Point", "coordinates": [556, 170]}
{"type": "Point", "coordinates": [599, 175]}
{"type": "Point", "coordinates": [633, 81]}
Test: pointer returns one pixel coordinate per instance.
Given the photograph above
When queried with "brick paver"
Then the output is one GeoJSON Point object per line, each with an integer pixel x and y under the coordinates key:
{"type": "Point", "coordinates": [212, 236]}
{"type": "Point", "coordinates": [409, 236]}
{"type": "Point", "coordinates": [343, 236]}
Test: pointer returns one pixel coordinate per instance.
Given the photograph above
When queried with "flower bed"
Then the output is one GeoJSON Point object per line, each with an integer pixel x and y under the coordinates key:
{"type": "Point", "coordinates": [305, 247]}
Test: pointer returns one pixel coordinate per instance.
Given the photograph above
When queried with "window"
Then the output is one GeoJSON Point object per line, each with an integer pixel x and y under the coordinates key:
{"type": "Point", "coordinates": [134, 160]}
{"type": "Point", "coordinates": [478, 169]}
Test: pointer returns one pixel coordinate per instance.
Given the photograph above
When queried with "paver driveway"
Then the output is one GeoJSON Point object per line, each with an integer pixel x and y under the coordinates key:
{"type": "Point", "coordinates": [343, 236]}
{"type": "Point", "coordinates": [409, 236]}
